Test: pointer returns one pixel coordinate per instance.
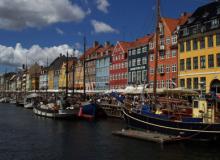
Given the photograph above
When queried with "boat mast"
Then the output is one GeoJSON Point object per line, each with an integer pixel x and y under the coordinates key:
{"type": "Point", "coordinates": [67, 59]}
{"type": "Point", "coordinates": [74, 65]}
{"type": "Point", "coordinates": [84, 67]}
{"type": "Point", "coordinates": [47, 69]}
{"type": "Point", "coordinates": [156, 51]}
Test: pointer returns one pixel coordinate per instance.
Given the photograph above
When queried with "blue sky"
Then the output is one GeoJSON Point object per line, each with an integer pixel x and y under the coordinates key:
{"type": "Point", "coordinates": [29, 33]}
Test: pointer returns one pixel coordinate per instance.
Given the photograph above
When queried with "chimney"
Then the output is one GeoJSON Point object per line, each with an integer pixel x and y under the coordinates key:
{"type": "Point", "coordinates": [183, 14]}
{"type": "Point", "coordinates": [107, 43]}
{"type": "Point", "coordinates": [95, 44]}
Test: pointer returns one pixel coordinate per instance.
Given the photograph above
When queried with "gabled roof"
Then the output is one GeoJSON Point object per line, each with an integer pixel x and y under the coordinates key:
{"type": "Point", "coordinates": [90, 51]}
{"type": "Point", "coordinates": [124, 45]}
{"type": "Point", "coordinates": [170, 23]}
{"type": "Point", "coordinates": [141, 41]}
{"type": "Point", "coordinates": [57, 63]}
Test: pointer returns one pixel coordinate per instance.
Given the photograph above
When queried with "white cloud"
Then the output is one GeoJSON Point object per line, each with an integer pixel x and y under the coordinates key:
{"type": "Point", "coordinates": [101, 27]}
{"type": "Point", "coordinates": [103, 5]}
{"type": "Point", "coordinates": [16, 56]}
{"type": "Point", "coordinates": [59, 31]}
{"type": "Point", "coordinates": [77, 45]}
{"type": "Point", "coordinates": [19, 14]}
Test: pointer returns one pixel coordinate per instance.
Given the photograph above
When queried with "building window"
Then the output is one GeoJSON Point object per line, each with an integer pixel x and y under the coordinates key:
{"type": "Point", "coordinates": [195, 63]}
{"type": "Point", "coordinates": [168, 40]}
{"type": "Point", "coordinates": [162, 84]}
{"type": "Point", "coordinates": [129, 63]}
{"type": "Point", "coordinates": [151, 45]}
{"type": "Point", "coordinates": [138, 50]}
{"type": "Point", "coordinates": [188, 45]}
{"type": "Point", "coordinates": [151, 57]}
{"type": "Point", "coordinates": [144, 60]}
{"type": "Point", "coordinates": [189, 83]}
{"type": "Point", "coordinates": [202, 62]}
{"type": "Point", "coordinates": [139, 61]}
{"type": "Point", "coordinates": [203, 82]}
{"type": "Point", "coordinates": [162, 55]}
{"type": "Point", "coordinates": [210, 41]}
{"type": "Point", "coordinates": [173, 53]}
{"type": "Point", "coordinates": [144, 75]}
{"type": "Point", "coordinates": [167, 83]}
{"type": "Point", "coordinates": [168, 68]}
{"type": "Point", "coordinates": [151, 71]}
{"type": "Point", "coordinates": [139, 76]}
{"type": "Point", "coordinates": [134, 52]}
{"type": "Point", "coordinates": [210, 60]}
{"type": "Point", "coordinates": [202, 43]}
{"type": "Point", "coordinates": [218, 59]}
{"type": "Point", "coordinates": [161, 69]}
{"type": "Point", "coordinates": [195, 83]}
{"type": "Point", "coordinates": [188, 63]}
{"type": "Point", "coordinates": [217, 39]}
{"type": "Point", "coordinates": [182, 48]}
{"type": "Point", "coordinates": [162, 41]}
{"type": "Point", "coordinates": [185, 31]}
{"type": "Point", "coordinates": [134, 77]}
{"type": "Point", "coordinates": [215, 23]}
{"type": "Point", "coordinates": [195, 44]}
{"type": "Point", "coordinates": [167, 54]}
{"type": "Point", "coordinates": [174, 39]}
{"type": "Point", "coordinates": [129, 52]}
{"type": "Point", "coordinates": [144, 49]}
{"type": "Point", "coordinates": [182, 65]}
{"type": "Point", "coordinates": [174, 68]}
{"type": "Point", "coordinates": [129, 76]}
{"type": "Point", "coordinates": [182, 83]}
{"type": "Point", "coordinates": [133, 62]}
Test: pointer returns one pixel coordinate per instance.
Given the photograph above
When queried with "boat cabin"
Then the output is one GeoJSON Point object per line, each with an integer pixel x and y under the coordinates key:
{"type": "Point", "coordinates": [203, 109]}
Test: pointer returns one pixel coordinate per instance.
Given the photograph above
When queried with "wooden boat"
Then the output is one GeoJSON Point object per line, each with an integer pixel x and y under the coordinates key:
{"type": "Point", "coordinates": [201, 125]}
{"type": "Point", "coordinates": [51, 111]}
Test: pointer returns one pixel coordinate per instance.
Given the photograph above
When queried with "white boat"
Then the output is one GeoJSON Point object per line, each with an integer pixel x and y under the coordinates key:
{"type": "Point", "coordinates": [51, 111]}
{"type": "Point", "coordinates": [30, 100]}
{"type": "Point", "coordinates": [12, 101]}
{"type": "Point", "coordinates": [4, 100]}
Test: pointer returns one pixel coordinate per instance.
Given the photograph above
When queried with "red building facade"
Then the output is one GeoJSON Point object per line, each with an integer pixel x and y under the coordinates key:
{"type": "Point", "coordinates": [119, 66]}
{"type": "Point", "coordinates": [167, 72]}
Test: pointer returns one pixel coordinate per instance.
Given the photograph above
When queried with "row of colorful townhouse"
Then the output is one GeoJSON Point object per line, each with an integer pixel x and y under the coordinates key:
{"type": "Point", "coordinates": [188, 57]}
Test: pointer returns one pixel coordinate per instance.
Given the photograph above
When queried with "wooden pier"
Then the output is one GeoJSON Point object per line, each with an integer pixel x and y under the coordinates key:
{"type": "Point", "coordinates": [111, 110]}
{"type": "Point", "coordinates": [147, 136]}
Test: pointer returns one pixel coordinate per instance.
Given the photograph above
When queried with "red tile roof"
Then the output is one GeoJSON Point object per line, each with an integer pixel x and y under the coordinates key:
{"type": "Point", "coordinates": [90, 51]}
{"type": "Point", "coordinates": [141, 41]}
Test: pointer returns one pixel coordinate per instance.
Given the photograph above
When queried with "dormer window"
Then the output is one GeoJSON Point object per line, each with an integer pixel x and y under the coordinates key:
{"type": "Point", "coordinates": [218, 10]}
{"type": "Point", "coordinates": [161, 29]}
{"type": "Point", "coordinates": [185, 31]}
{"type": "Point", "coordinates": [215, 23]}
{"type": "Point", "coordinates": [190, 20]}
{"type": "Point", "coordinates": [205, 14]}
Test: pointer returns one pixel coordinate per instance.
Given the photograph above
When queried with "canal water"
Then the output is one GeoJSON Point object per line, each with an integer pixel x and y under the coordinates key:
{"type": "Point", "coordinates": [24, 136]}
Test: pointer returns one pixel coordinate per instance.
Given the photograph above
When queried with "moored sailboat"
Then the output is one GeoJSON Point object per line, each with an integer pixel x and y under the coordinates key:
{"type": "Point", "coordinates": [197, 121]}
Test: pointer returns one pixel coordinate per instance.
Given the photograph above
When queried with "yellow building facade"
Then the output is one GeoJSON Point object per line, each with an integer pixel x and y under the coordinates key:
{"type": "Point", "coordinates": [62, 77]}
{"type": "Point", "coordinates": [199, 61]}
{"type": "Point", "coordinates": [51, 79]}
{"type": "Point", "coordinates": [79, 75]}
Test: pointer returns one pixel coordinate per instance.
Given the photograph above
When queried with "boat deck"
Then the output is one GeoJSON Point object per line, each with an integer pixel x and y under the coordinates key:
{"type": "Point", "coordinates": [147, 136]}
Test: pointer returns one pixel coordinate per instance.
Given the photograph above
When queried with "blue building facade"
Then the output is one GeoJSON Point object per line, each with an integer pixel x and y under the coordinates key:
{"type": "Point", "coordinates": [102, 73]}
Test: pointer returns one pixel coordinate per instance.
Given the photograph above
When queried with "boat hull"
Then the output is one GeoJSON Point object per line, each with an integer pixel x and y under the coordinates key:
{"type": "Point", "coordinates": [56, 114]}
{"type": "Point", "coordinates": [192, 131]}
